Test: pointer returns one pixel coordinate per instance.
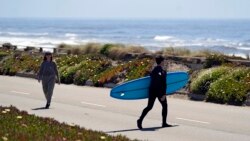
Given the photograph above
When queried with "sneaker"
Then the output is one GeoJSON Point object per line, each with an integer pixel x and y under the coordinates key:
{"type": "Point", "coordinates": [166, 125]}
{"type": "Point", "coordinates": [47, 106]}
{"type": "Point", "coordinates": [139, 122]}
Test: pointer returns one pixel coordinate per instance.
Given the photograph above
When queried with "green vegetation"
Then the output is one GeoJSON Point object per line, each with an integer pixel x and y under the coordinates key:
{"type": "Point", "coordinates": [113, 51]}
{"type": "Point", "coordinates": [3, 54]}
{"type": "Point", "coordinates": [223, 84]}
{"type": "Point", "coordinates": [231, 88]}
{"type": "Point", "coordinates": [22, 63]}
{"type": "Point", "coordinates": [78, 69]}
{"type": "Point", "coordinates": [215, 60]}
{"type": "Point", "coordinates": [124, 72]}
{"type": "Point", "coordinates": [19, 125]}
{"type": "Point", "coordinates": [99, 64]}
{"type": "Point", "coordinates": [176, 51]}
{"type": "Point", "coordinates": [201, 83]}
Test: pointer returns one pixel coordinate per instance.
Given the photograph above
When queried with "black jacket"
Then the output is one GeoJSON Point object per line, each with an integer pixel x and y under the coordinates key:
{"type": "Point", "coordinates": [158, 82]}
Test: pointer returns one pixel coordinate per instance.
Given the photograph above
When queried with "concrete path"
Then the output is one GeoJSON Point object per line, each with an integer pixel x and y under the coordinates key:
{"type": "Point", "coordinates": [92, 108]}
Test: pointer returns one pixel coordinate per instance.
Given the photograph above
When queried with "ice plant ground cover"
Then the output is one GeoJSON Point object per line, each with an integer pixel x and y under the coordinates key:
{"type": "Point", "coordinates": [21, 126]}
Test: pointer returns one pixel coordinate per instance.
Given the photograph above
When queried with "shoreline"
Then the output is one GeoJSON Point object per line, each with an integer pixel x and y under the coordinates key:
{"type": "Point", "coordinates": [150, 49]}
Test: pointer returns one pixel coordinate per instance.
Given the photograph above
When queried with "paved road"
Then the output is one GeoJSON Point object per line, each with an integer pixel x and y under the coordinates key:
{"type": "Point", "coordinates": [92, 108]}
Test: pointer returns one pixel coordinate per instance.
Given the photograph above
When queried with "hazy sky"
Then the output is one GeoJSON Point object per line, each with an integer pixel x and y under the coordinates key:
{"type": "Point", "coordinates": [124, 9]}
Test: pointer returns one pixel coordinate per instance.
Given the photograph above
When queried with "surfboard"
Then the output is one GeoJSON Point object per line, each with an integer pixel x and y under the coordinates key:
{"type": "Point", "coordinates": [138, 88]}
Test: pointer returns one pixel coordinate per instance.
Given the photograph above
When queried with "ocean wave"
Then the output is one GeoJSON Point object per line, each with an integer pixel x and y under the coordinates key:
{"type": "Point", "coordinates": [70, 35]}
{"type": "Point", "coordinates": [244, 48]}
{"type": "Point", "coordinates": [162, 38]}
{"type": "Point", "coordinates": [23, 34]}
{"type": "Point", "coordinates": [47, 42]}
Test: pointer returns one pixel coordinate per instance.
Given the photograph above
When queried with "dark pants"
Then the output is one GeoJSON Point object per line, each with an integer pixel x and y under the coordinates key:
{"type": "Point", "coordinates": [151, 101]}
{"type": "Point", "coordinates": [48, 83]}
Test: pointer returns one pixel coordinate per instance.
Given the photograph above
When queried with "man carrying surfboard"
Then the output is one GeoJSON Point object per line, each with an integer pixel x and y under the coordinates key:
{"type": "Point", "coordinates": [157, 89]}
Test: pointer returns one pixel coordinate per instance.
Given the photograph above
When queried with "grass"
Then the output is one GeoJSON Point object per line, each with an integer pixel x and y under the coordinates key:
{"type": "Point", "coordinates": [176, 51]}
{"type": "Point", "coordinates": [19, 125]}
{"type": "Point", "coordinates": [113, 51]}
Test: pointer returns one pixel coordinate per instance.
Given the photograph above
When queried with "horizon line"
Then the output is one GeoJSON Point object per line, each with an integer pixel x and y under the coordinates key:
{"type": "Point", "coordinates": [128, 18]}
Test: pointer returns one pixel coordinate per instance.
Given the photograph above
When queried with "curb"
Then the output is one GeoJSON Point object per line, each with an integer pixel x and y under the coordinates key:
{"type": "Point", "coordinates": [26, 75]}
{"type": "Point", "coordinates": [197, 97]}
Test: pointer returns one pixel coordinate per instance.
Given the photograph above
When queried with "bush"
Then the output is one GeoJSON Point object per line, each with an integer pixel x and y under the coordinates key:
{"type": "Point", "coordinates": [176, 51]}
{"type": "Point", "coordinates": [231, 89]}
{"type": "Point", "coordinates": [3, 54]}
{"type": "Point", "coordinates": [120, 52]}
{"type": "Point", "coordinates": [139, 68]}
{"type": "Point", "coordinates": [67, 76]}
{"type": "Point", "coordinates": [109, 75]}
{"type": "Point", "coordinates": [215, 60]}
{"type": "Point", "coordinates": [23, 63]}
{"type": "Point", "coordinates": [201, 83]}
{"type": "Point", "coordinates": [78, 69]}
{"type": "Point", "coordinates": [105, 49]}
{"type": "Point", "coordinates": [88, 69]}
{"type": "Point", "coordinates": [91, 48]}
{"type": "Point", "coordinates": [124, 72]}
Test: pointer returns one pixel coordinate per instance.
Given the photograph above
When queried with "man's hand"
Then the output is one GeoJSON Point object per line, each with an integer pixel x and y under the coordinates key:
{"type": "Point", "coordinates": [163, 97]}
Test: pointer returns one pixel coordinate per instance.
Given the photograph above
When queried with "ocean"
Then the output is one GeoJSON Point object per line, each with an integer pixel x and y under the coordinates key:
{"type": "Point", "coordinates": [226, 36]}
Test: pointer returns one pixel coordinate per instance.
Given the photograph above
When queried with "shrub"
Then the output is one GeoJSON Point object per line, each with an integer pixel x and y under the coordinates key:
{"type": "Point", "coordinates": [7, 65]}
{"type": "Point", "coordinates": [69, 60]}
{"type": "Point", "coordinates": [67, 76]}
{"type": "Point", "coordinates": [80, 68]}
{"type": "Point", "coordinates": [109, 75]}
{"type": "Point", "coordinates": [3, 54]}
{"type": "Point", "coordinates": [201, 83]}
{"type": "Point", "coordinates": [176, 51]}
{"type": "Point", "coordinates": [28, 63]}
{"type": "Point", "coordinates": [88, 69]}
{"type": "Point", "coordinates": [80, 77]}
{"type": "Point", "coordinates": [139, 68]}
{"type": "Point", "coordinates": [124, 72]}
{"type": "Point", "coordinates": [105, 49]}
{"type": "Point", "coordinates": [75, 51]}
{"type": "Point", "coordinates": [231, 89]}
{"type": "Point", "coordinates": [120, 52]}
{"type": "Point", "coordinates": [91, 48]}
{"type": "Point", "coordinates": [215, 60]}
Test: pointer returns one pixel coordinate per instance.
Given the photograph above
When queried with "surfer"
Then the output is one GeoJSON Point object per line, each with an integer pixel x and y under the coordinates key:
{"type": "Point", "coordinates": [157, 89]}
{"type": "Point", "coordinates": [48, 73]}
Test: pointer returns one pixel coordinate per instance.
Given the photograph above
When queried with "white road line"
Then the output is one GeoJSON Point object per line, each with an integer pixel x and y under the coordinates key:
{"type": "Point", "coordinates": [191, 120]}
{"type": "Point", "coordinates": [24, 93]}
{"type": "Point", "coordinates": [93, 104]}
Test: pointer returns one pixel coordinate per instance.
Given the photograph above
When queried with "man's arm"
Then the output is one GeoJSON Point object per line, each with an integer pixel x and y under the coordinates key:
{"type": "Point", "coordinates": [56, 71]}
{"type": "Point", "coordinates": [40, 72]}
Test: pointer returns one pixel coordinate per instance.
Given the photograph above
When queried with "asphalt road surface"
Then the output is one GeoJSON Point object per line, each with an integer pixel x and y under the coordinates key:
{"type": "Point", "coordinates": [93, 108]}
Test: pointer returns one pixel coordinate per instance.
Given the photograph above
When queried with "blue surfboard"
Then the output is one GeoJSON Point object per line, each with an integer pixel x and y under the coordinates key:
{"type": "Point", "coordinates": [138, 88]}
